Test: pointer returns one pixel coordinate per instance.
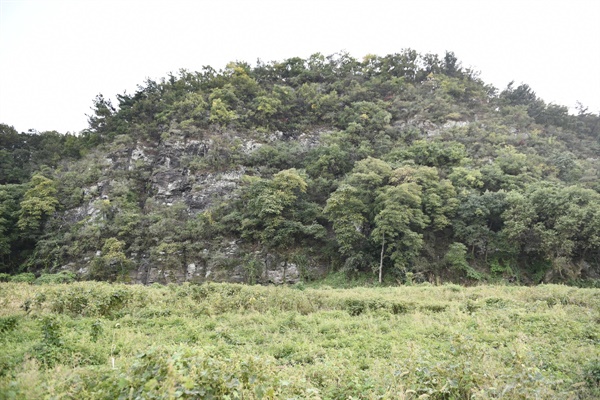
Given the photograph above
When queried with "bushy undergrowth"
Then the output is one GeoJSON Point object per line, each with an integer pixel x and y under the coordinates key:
{"type": "Point", "coordinates": [91, 340]}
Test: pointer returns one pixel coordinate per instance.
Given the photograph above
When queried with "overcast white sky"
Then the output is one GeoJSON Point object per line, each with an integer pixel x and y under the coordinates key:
{"type": "Point", "coordinates": [57, 55]}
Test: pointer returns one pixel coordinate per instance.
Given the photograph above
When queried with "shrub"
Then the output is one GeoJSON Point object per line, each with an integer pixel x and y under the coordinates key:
{"type": "Point", "coordinates": [186, 374]}
{"type": "Point", "coordinates": [26, 277]}
{"type": "Point", "coordinates": [8, 324]}
{"type": "Point", "coordinates": [61, 277]}
{"type": "Point", "coordinates": [355, 307]}
{"type": "Point", "coordinates": [592, 374]}
{"type": "Point", "coordinates": [456, 258]}
{"type": "Point", "coordinates": [101, 301]}
{"type": "Point", "coordinates": [401, 308]}
{"type": "Point", "coordinates": [49, 350]}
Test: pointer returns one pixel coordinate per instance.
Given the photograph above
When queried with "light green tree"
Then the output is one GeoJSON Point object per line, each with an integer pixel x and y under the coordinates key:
{"type": "Point", "coordinates": [112, 263]}
{"type": "Point", "coordinates": [38, 203]}
{"type": "Point", "coordinates": [351, 210]}
{"type": "Point", "coordinates": [398, 223]}
{"type": "Point", "coordinates": [220, 113]}
{"type": "Point", "coordinates": [277, 215]}
{"type": "Point", "coordinates": [438, 196]}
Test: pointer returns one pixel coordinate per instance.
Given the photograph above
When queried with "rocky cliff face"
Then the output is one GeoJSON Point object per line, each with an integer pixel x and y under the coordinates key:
{"type": "Point", "coordinates": [182, 172]}
{"type": "Point", "coordinates": [193, 173]}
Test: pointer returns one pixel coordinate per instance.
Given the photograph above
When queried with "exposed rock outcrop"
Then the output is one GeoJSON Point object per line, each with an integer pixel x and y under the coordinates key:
{"type": "Point", "coordinates": [185, 171]}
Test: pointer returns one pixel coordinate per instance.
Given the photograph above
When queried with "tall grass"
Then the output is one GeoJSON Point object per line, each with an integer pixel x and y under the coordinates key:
{"type": "Point", "coordinates": [100, 341]}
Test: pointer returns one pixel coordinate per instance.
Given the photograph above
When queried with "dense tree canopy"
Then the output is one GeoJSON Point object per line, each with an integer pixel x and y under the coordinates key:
{"type": "Point", "coordinates": [401, 164]}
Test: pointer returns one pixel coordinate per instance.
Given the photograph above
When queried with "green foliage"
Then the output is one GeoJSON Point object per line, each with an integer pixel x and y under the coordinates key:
{"type": "Point", "coordinates": [253, 267]}
{"type": "Point", "coordinates": [433, 154]}
{"type": "Point", "coordinates": [96, 330]}
{"type": "Point", "coordinates": [48, 351]}
{"type": "Point", "coordinates": [112, 263]}
{"type": "Point", "coordinates": [555, 224]}
{"type": "Point", "coordinates": [345, 210]}
{"type": "Point", "coordinates": [189, 374]}
{"type": "Point", "coordinates": [22, 154]}
{"type": "Point", "coordinates": [277, 216]}
{"type": "Point", "coordinates": [38, 203]}
{"type": "Point", "coordinates": [101, 122]}
{"type": "Point", "coordinates": [592, 375]}
{"type": "Point", "coordinates": [277, 157]}
{"type": "Point", "coordinates": [438, 196]}
{"type": "Point", "coordinates": [400, 155]}
{"type": "Point", "coordinates": [367, 116]}
{"type": "Point", "coordinates": [400, 220]}
{"type": "Point", "coordinates": [26, 277]}
{"type": "Point", "coordinates": [329, 162]}
{"type": "Point", "coordinates": [61, 277]}
{"type": "Point", "coordinates": [192, 110]}
{"type": "Point", "coordinates": [456, 258]}
{"type": "Point", "coordinates": [220, 113]}
{"type": "Point", "coordinates": [10, 198]}
{"type": "Point", "coordinates": [479, 221]}
{"type": "Point", "coordinates": [8, 324]}
{"type": "Point", "coordinates": [77, 301]}
{"type": "Point", "coordinates": [256, 342]}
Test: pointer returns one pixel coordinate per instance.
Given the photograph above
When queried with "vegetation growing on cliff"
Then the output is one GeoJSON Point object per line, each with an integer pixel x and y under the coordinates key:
{"type": "Point", "coordinates": [407, 163]}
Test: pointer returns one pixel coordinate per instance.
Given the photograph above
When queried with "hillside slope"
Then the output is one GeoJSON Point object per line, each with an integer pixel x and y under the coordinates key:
{"type": "Point", "coordinates": [407, 164]}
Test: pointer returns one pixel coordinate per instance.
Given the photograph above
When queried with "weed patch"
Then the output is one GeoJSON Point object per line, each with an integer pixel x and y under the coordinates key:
{"type": "Point", "coordinates": [97, 340]}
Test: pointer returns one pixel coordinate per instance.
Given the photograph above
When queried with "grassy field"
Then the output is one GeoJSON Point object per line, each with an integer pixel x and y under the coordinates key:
{"type": "Point", "coordinates": [223, 341]}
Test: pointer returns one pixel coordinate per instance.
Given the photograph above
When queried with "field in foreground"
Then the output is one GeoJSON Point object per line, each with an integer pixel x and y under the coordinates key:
{"type": "Point", "coordinates": [102, 341]}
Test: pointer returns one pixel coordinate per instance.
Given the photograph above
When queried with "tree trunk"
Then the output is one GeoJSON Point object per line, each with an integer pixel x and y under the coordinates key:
{"type": "Point", "coordinates": [381, 258]}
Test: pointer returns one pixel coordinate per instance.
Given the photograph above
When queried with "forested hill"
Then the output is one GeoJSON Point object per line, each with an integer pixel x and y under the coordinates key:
{"type": "Point", "coordinates": [288, 170]}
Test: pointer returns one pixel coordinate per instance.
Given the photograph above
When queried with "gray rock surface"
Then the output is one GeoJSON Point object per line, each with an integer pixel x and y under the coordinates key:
{"type": "Point", "coordinates": [186, 171]}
